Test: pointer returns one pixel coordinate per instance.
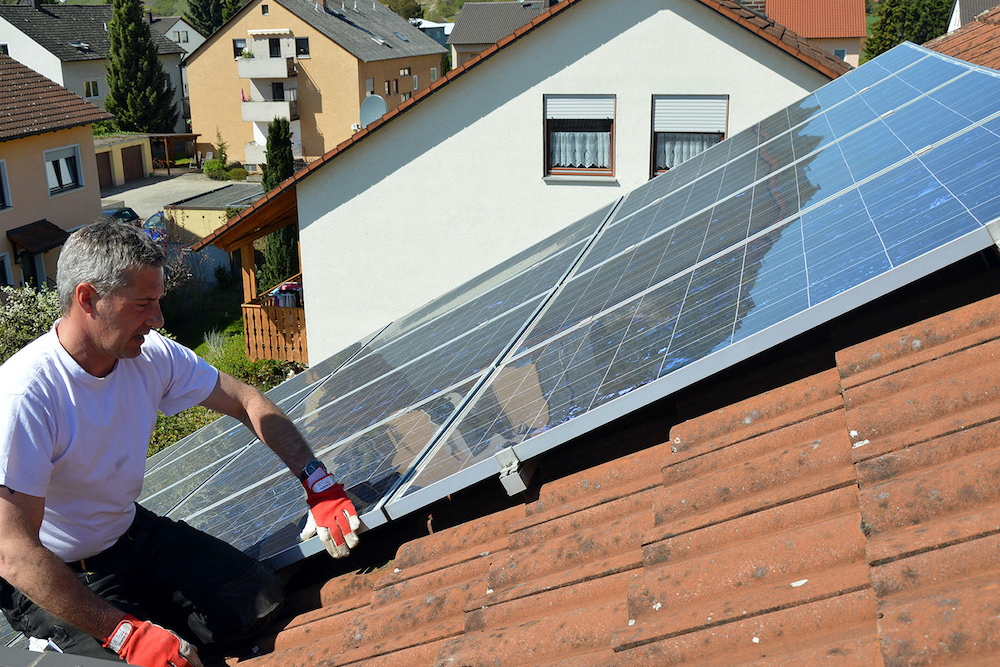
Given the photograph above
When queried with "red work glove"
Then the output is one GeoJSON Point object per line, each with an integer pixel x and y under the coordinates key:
{"type": "Point", "coordinates": [331, 513]}
{"type": "Point", "coordinates": [148, 645]}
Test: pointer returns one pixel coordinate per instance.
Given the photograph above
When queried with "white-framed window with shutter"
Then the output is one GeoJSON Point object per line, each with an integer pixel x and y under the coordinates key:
{"type": "Point", "coordinates": [579, 135]}
{"type": "Point", "coordinates": [62, 169]}
{"type": "Point", "coordinates": [685, 125]}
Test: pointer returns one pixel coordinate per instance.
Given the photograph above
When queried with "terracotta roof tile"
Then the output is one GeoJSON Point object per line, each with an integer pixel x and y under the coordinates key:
{"type": "Point", "coordinates": [820, 19]}
{"type": "Point", "coordinates": [31, 104]}
{"type": "Point", "coordinates": [765, 532]}
{"type": "Point", "coordinates": [977, 42]}
{"type": "Point", "coordinates": [798, 47]}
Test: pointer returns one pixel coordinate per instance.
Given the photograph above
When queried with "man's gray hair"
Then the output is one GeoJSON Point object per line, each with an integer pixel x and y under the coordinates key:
{"type": "Point", "coordinates": [102, 254]}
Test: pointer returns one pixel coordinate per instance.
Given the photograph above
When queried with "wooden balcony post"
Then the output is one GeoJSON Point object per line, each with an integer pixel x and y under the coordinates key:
{"type": "Point", "coordinates": [249, 271]}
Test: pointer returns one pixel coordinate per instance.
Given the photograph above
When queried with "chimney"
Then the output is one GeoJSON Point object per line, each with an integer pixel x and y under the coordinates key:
{"type": "Point", "coordinates": [756, 6]}
{"type": "Point", "coordinates": [37, 4]}
{"type": "Point", "coordinates": [148, 18]}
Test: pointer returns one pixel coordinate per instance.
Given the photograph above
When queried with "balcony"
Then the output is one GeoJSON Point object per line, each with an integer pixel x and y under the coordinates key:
{"type": "Point", "coordinates": [276, 331]}
{"type": "Point", "coordinates": [253, 153]}
{"type": "Point", "coordinates": [265, 111]}
{"type": "Point", "coordinates": [266, 68]}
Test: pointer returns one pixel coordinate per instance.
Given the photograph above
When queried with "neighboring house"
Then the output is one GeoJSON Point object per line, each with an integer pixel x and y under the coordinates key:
{"type": "Point", "coordinates": [965, 11]}
{"type": "Point", "coordinates": [311, 62]}
{"type": "Point", "coordinates": [439, 32]}
{"type": "Point", "coordinates": [182, 33]}
{"type": "Point", "coordinates": [976, 42]}
{"type": "Point", "coordinates": [69, 44]}
{"type": "Point", "coordinates": [839, 27]}
{"type": "Point", "coordinates": [48, 174]}
{"type": "Point", "coordinates": [197, 217]}
{"type": "Point", "coordinates": [480, 25]}
{"type": "Point", "coordinates": [546, 125]}
{"type": "Point", "coordinates": [123, 158]}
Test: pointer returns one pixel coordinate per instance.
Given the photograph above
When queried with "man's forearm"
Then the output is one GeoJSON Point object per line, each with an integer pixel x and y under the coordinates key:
{"type": "Point", "coordinates": [49, 583]}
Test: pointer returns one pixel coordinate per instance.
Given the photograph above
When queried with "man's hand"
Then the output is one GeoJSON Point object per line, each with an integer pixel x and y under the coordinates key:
{"type": "Point", "coordinates": [148, 645]}
{"type": "Point", "coordinates": [331, 514]}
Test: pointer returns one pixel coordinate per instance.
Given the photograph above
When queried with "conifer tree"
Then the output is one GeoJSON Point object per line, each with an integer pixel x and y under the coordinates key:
{"type": "Point", "coordinates": [139, 95]}
{"type": "Point", "coordinates": [230, 8]}
{"type": "Point", "coordinates": [281, 257]}
{"type": "Point", "coordinates": [205, 15]}
{"type": "Point", "coordinates": [898, 21]}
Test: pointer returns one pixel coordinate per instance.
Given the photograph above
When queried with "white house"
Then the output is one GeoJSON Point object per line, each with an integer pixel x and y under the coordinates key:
{"type": "Point", "coordinates": [553, 122]}
{"type": "Point", "coordinates": [69, 45]}
{"type": "Point", "coordinates": [180, 32]}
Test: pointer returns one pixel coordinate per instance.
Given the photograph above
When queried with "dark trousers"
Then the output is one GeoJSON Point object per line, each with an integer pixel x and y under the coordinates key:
{"type": "Point", "coordinates": [171, 574]}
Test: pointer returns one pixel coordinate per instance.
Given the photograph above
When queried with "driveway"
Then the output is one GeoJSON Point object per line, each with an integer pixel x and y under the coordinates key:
{"type": "Point", "coordinates": [149, 195]}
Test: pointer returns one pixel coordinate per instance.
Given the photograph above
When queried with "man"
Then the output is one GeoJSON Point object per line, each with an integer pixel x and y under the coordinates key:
{"type": "Point", "coordinates": [82, 565]}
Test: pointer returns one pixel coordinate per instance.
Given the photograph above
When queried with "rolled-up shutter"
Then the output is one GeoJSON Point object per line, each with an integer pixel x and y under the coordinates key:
{"type": "Point", "coordinates": [575, 107]}
{"type": "Point", "coordinates": [690, 113]}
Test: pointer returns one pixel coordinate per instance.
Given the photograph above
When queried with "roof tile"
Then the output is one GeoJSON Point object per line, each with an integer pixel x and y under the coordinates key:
{"type": "Point", "coordinates": [821, 19]}
{"type": "Point", "coordinates": [977, 41]}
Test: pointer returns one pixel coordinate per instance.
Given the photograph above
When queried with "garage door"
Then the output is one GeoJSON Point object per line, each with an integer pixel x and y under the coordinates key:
{"type": "Point", "coordinates": [104, 170]}
{"type": "Point", "coordinates": [132, 163]}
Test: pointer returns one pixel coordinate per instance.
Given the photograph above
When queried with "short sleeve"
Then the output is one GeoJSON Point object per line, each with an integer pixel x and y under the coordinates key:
{"type": "Point", "coordinates": [190, 378]}
{"type": "Point", "coordinates": [27, 443]}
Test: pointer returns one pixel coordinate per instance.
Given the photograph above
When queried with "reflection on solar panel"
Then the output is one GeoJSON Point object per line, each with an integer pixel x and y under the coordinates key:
{"type": "Point", "coordinates": [878, 178]}
{"type": "Point", "coordinates": [371, 418]}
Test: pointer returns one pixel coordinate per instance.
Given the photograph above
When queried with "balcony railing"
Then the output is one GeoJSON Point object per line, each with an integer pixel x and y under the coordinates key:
{"type": "Point", "coordinates": [266, 68]}
{"type": "Point", "coordinates": [265, 111]}
{"type": "Point", "coordinates": [276, 331]}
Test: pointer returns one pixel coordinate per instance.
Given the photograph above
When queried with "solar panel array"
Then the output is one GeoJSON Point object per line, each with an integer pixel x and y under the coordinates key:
{"type": "Point", "coordinates": [878, 178]}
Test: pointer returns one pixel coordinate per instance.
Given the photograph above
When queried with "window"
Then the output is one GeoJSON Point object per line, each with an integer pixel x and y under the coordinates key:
{"type": "Point", "coordinates": [274, 47]}
{"type": "Point", "coordinates": [302, 47]}
{"type": "Point", "coordinates": [3, 49]}
{"type": "Point", "coordinates": [62, 169]}
{"type": "Point", "coordinates": [840, 53]}
{"type": "Point", "coordinates": [184, 36]}
{"type": "Point", "coordinates": [406, 96]}
{"type": "Point", "coordinates": [264, 10]}
{"type": "Point", "coordinates": [167, 81]}
{"type": "Point", "coordinates": [180, 36]}
{"type": "Point", "coordinates": [434, 74]}
{"type": "Point", "coordinates": [404, 71]}
{"type": "Point", "coordinates": [278, 91]}
{"type": "Point", "coordinates": [395, 87]}
{"type": "Point", "coordinates": [4, 187]}
{"type": "Point", "coordinates": [369, 87]}
{"type": "Point", "coordinates": [6, 276]}
{"type": "Point", "coordinates": [387, 86]}
{"type": "Point", "coordinates": [579, 135]}
{"type": "Point", "coordinates": [91, 88]}
{"type": "Point", "coordinates": [685, 125]}
{"type": "Point", "coordinates": [239, 46]}
{"type": "Point", "coordinates": [416, 84]}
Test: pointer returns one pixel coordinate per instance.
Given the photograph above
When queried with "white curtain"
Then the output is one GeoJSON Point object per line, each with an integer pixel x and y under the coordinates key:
{"type": "Point", "coordinates": [580, 149]}
{"type": "Point", "coordinates": [674, 148]}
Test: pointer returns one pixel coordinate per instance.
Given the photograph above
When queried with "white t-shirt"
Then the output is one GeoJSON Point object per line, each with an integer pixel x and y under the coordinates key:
{"type": "Point", "coordinates": [80, 441]}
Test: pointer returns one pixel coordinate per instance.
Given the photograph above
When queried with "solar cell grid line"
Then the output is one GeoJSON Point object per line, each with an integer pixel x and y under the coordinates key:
{"type": "Point", "coordinates": [888, 225]}
{"type": "Point", "coordinates": [369, 416]}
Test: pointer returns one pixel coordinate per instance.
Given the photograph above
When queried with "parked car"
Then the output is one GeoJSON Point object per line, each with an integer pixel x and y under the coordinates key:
{"type": "Point", "coordinates": [156, 226]}
{"type": "Point", "coordinates": [122, 214]}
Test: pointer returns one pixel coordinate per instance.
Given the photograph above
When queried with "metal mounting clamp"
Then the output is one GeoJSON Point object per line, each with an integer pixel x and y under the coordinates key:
{"type": "Point", "coordinates": [515, 475]}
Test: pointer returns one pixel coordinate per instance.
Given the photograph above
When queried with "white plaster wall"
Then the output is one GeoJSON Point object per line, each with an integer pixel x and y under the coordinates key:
{"type": "Point", "coordinates": [456, 185]}
{"type": "Point", "coordinates": [852, 45]}
{"type": "Point", "coordinates": [78, 71]}
{"type": "Point", "coordinates": [28, 52]}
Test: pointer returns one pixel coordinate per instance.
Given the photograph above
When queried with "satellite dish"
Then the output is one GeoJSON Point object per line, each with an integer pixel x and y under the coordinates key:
{"type": "Point", "coordinates": [373, 108]}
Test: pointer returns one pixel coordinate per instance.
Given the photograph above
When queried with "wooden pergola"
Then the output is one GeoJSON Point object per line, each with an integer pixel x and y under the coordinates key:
{"type": "Point", "coordinates": [271, 331]}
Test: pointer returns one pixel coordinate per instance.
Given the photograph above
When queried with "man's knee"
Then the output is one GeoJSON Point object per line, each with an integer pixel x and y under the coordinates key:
{"type": "Point", "coordinates": [252, 602]}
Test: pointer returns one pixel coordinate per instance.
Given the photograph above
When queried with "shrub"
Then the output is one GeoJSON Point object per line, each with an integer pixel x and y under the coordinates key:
{"type": "Point", "coordinates": [237, 174]}
{"type": "Point", "coordinates": [169, 430]}
{"type": "Point", "coordinates": [214, 169]}
{"type": "Point", "coordinates": [223, 276]}
{"type": "Point", "coordinates": [25, 314]}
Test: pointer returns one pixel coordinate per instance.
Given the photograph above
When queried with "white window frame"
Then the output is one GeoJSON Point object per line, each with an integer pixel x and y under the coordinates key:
{"type": "Point", "coordinates": [307, 54]}
{"type": "Point", "coordinates": [597, 108]}
{"type": "Point", "coordinates": [8, 273]}
{"type": "Point", "coordinates": [184, 36]}
{"type": "Point", "coordinates": [434, 74]}
{"type": "Point", "coordinates": [62, 153]}
{"type": "Point", "coordinates": [840, 53]}
{"type": "Point", "coordinates": [94, 86]}
{"type": "Point", "coordinates": [687, 114]}
{"type": "Point", "coordinates": [5, 187]}
{"type": "Point", "coordinates": [416, 83]}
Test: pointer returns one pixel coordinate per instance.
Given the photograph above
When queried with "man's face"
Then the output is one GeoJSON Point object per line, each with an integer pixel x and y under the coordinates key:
{"type": "Point", "coordinates": [126, 316]}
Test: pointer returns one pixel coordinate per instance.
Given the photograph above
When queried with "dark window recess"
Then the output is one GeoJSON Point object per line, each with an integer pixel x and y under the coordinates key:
{"type": "Point", "coordinates": [302, 46]}
{"type": "Point", "coordinates": [277, 91]}
{"type": "Point", "coordinates": [579, 144]}
{"type": "Point", "coordinates": [239, 46]}
{"type": "Point", "coordinates": [3, 49]}
{"type": "Point", "coordinates": [274, 47]}
{"type": "Point", "coordinates": [395, 86]}
{"type": "Point", "coordinates": [3, 271]}
{"type": "Point", "coordinates": [263, 10]}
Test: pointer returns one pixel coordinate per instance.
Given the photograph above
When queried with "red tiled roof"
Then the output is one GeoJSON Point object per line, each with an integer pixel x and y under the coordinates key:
{"type": "Point", "coordinates": [850, 517]}
{"type": "Point", "coordinates": [821, 19]}
{"type": "Point", "coordinates": [977, 42]}
{"type": "Point", "coordinates": [31, 104]}
{"type": "Point", "coordinates": [786, 40]}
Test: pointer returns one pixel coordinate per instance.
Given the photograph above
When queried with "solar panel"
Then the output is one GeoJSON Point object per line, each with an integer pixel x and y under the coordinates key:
{"type": "Point", "coordinates": [871, 182]}
{"type": "Point", "coordinates": [370, 420]}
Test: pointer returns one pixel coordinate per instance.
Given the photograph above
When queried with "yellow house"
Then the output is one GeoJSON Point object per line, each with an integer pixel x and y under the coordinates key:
{"type": "Point", "coordinates": [48, 172]}
{"type": "Point", "coordinates": [311, 62]}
